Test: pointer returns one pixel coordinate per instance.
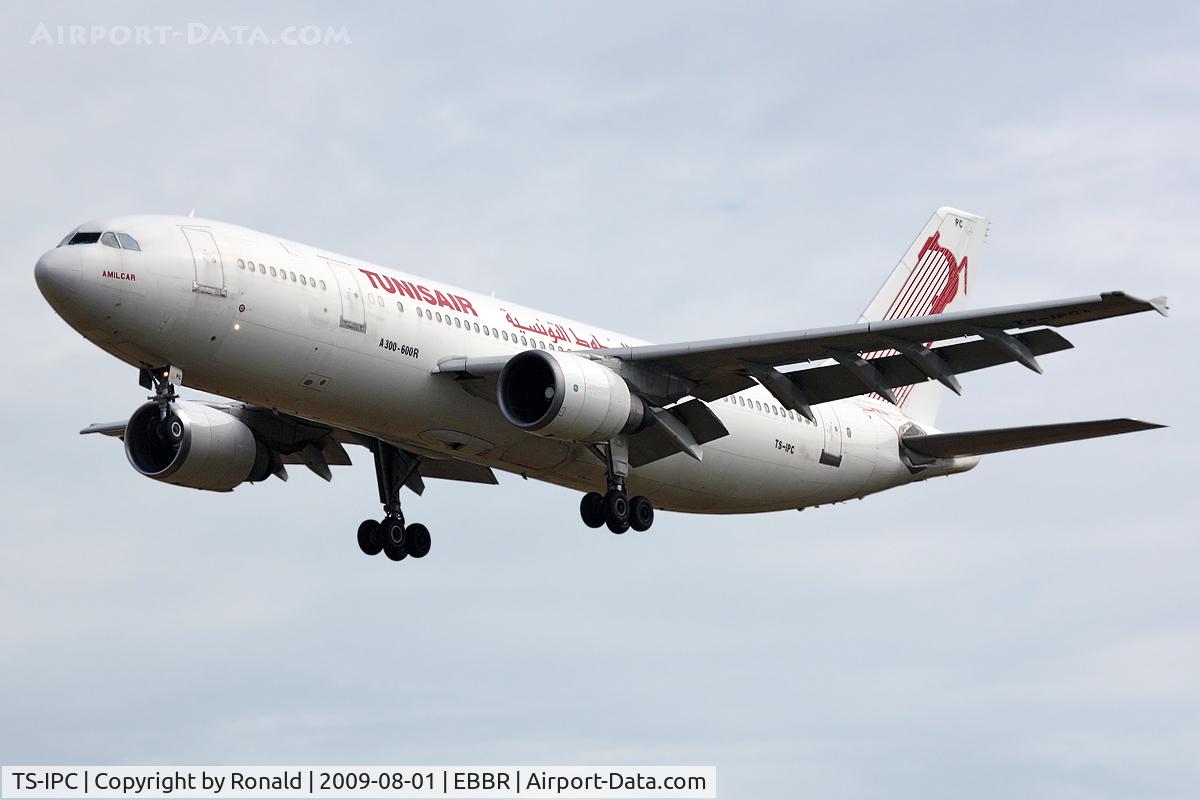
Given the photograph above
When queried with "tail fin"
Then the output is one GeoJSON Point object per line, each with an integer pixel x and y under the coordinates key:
{"type": "Point", "coordinates": [931, 278]}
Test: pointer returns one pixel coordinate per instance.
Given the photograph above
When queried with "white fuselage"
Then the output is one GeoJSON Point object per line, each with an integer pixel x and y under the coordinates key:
{"type": "Point", "coordinates": [238, 312]}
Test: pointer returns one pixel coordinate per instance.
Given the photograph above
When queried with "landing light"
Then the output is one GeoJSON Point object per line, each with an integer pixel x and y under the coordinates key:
{"type": "Point", "coordinates": [237, 326]}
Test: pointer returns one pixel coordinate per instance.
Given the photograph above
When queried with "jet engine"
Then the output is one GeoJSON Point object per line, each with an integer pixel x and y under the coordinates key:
{"type": "Point", "coordinates": [194, 445]}
{"type": "Point", "coordinates": [565, 396]}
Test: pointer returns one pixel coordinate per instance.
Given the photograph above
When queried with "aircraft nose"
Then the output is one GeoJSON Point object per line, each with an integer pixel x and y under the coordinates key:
{"type": "Point", "coordinates": [57, 275]}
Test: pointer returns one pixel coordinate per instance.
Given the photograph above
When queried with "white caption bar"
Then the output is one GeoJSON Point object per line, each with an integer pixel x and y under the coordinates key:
{"type": "Point", "coordinates": [369, 783]}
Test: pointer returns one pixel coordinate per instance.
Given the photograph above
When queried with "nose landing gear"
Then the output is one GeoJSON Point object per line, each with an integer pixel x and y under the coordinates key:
{"type": "Point", "coordinates": [394, 469]}
{"type": "Point", "coordinates": [614, 508]}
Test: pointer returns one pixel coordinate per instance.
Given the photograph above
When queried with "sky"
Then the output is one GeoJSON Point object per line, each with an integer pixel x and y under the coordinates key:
{"type": "Point", "coordinates": [675, 171]}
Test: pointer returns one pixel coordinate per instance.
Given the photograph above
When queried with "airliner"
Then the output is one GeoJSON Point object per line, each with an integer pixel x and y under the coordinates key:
{"type": "Point", "coordinates": [316, 351]}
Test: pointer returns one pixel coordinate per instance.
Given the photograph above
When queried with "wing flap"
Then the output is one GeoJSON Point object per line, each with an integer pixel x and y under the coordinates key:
{"type": "Point", "coordinates": [998, 440]}
{"type": "Point", "coordinates": [834, 382]}
{"type": "Point", "coordinates": [657, 442]}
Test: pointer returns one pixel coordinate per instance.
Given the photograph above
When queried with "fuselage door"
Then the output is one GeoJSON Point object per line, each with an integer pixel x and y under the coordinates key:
{"type": "Point", "coordinates": [210, 273]}
{"type": "Point", "coordinates": [354, 314]}
{"type": "Point", "coordinates": [831, 427]}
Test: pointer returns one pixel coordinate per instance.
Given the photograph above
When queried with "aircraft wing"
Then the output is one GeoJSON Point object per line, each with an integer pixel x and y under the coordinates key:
{"type": "Point", "coordinates": [865, 357]}
{"type": "Point", "coordinates": [718, 367]}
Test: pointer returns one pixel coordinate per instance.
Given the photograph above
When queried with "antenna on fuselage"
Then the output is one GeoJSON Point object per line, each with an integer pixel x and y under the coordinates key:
{"type": "Point", "coordinates": [192, 213]}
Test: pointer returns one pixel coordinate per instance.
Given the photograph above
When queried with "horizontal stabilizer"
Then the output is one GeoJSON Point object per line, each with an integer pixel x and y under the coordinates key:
{"type": "Point", "coordinates": [997, 440]}
{"type": "Point", "coordinates": [107, 428]}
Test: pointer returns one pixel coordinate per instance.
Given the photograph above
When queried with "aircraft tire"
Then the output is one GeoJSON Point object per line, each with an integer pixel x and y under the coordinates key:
{"type": "Point", "coordinates": [391, 531]}
{"type": "Point", "coordinates": [591, 509]}
{"type": "Point", "coordinates": [616, 511]}
{"type": "Point", "coordinates": [417, 540]}
{"type": "Point", "coordinates": [368, 537]}
{"type": "Point", "coordinates": [641, 513]}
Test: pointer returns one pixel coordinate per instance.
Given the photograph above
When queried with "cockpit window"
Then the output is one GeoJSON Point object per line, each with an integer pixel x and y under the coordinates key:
{"type": "Point", "coordinates": [128, 242]}
{"type": "Point", "coordinates": [85, 237]}
{"type": "Point", "coordinates": [109, 239]}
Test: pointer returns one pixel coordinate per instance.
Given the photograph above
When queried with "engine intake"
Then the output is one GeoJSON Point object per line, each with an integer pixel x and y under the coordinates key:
{"type": "Point", "coordinates": [565, 396]}
{"type": "Point", "coordinates": [195, 445]}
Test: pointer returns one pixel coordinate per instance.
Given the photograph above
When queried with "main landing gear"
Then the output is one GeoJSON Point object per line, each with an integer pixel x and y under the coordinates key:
{"type": "Point", "coordinates": [393, 469]}
{"type": "Point", "coordinates": [614, 508]}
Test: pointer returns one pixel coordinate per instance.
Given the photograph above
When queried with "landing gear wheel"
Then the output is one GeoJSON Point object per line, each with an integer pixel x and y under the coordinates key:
{"type": "Point", "coordinates": [641, 514]}
{"type": "Point", "coordinates": [616, 511]}
{"type": "Point", "coordinates": [396, 552]}
{"type": "Point", "coordinates": [369, 540]}
{"type": "Point", "coordinates": [391, 531]}
{"type": "Point", "coordinates": [417, 540]}
{"type": "Point", "coordinates": [591, 508]}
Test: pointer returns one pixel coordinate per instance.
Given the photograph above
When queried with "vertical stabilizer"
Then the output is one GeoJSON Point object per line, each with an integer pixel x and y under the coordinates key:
{"type": "Point", "coordinates": [933, 277]}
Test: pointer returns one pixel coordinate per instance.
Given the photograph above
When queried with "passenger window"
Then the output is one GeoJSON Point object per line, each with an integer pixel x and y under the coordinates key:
{"type": "Point", "coordinates": [303, 281]}
{"type": "Point", "coordinates": [524, 341]}
{"type": "Point", "coordinates": [447, 319]}
{"type": "Point", "coordinates": [485, 331]}
{"type": "Point", "coordinates": [293, 276]}
{"type": "Point", "coordinates": [477, 327]}
{"type": "Point", "coordinates": [273, 272]}
{"type": "Point", "coordinates": [439, 316]}
{"type": "Point", "coordinates": [495, 333]}
{"type": "Point", "coordinates": [457, 322]}
{"type": "Point", "coordinates": [742, 401]}
{"type": "Point", "coordinates": [262, 269]}
{"type": "Point", "coordinates": [322, 286]}
{"type": "Point", "coordinates": [400, 306]}
{"type": "Point", "coordinates": [241, 264]}
{"type": "Point", "coordinates": [128, 242]}
{"type": "Point", "coordinates": [250, 264]}
{"type": "Point", "coordinates": [505, 336]}
{"type": "Point", "coordinates": [757, 406]}
{"type": "Point", "coordinates": [312, 281]}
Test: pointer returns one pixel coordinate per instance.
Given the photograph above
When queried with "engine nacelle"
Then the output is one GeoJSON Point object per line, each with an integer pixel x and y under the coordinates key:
{"type": "Point", "coordinates": [568, 397]}
{"type": "Point", "coordinates": [195, 445]}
